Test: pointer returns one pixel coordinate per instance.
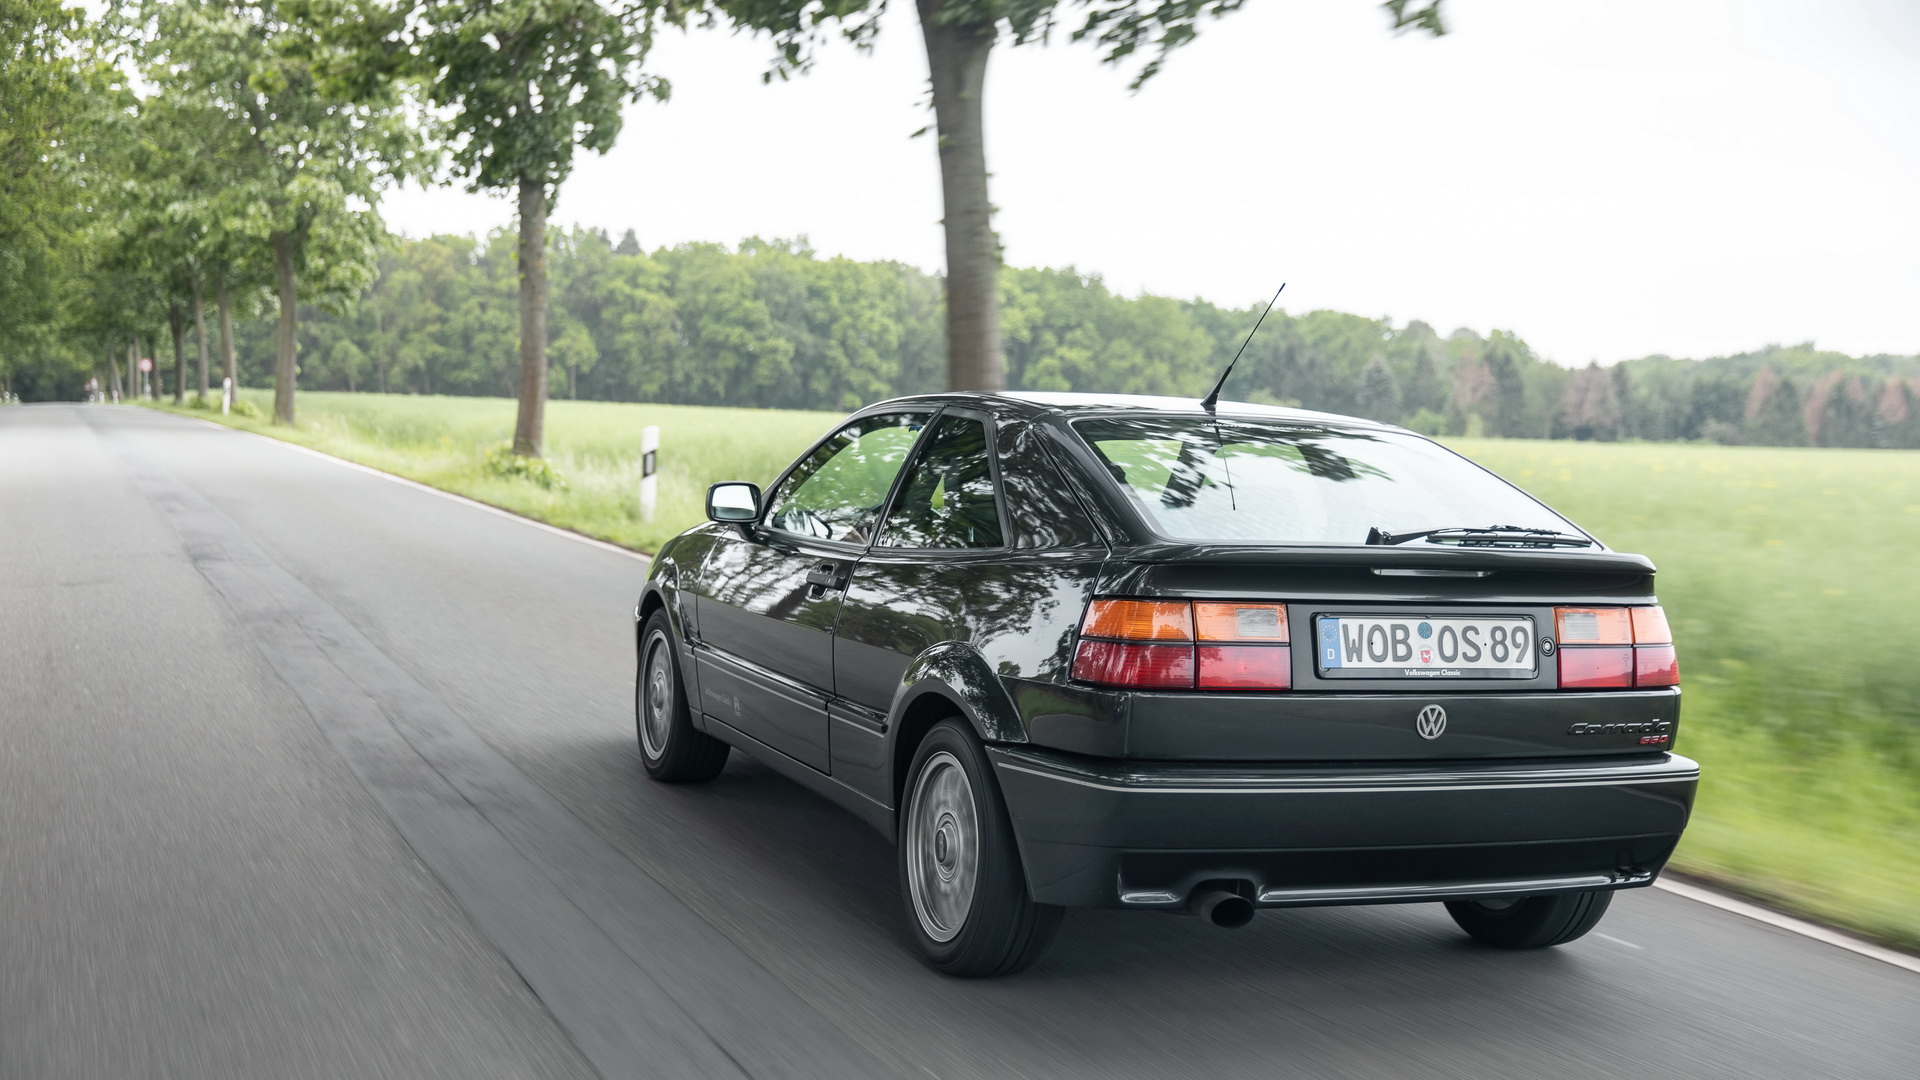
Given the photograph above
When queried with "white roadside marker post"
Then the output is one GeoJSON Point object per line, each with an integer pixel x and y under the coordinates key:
{"type": "Point", "coordinates": [649, 469]}
{"type": "Point", "coordinates": [226, 396]}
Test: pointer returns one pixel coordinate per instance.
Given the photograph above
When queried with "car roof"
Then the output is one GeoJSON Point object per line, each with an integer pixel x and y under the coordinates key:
{"type": "Point", "coordinates": [1069, 405]}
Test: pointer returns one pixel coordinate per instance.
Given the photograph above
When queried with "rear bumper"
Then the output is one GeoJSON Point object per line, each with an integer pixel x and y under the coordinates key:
{"type": "Point", "coordinates": [1111, 833]}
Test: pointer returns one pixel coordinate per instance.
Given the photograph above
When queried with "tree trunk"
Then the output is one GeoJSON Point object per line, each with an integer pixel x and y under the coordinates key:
{"type": "Point", "coordinates": [200, 335]}
{"type": "Point", "coordinates": [284, 341]}
{"type": "Point", "coordinates": [957, 63]}
{"type": "Point", "coordinates": [133, 369]}
{"type": "Point", "coordinates": [177, 324]}
{"type": "Point", "coordinates": [225, 300]}
{"type": "Point", "coordinates": [529, 430]}
{"type": "Point", "coordinates": [113, 374]}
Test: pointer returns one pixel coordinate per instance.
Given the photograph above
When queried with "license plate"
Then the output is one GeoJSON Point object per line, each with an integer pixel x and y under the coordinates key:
{"type": "Point", "coordinates": [1424, 647]}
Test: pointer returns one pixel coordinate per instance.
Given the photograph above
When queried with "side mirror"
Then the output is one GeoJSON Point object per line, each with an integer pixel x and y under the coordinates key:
{"type": "Point", "coordinates": [733, 502]}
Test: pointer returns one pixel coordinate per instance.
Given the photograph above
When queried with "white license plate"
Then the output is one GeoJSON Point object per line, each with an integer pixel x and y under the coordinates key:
{"type": "Point", "coordinates": [1422, 647]}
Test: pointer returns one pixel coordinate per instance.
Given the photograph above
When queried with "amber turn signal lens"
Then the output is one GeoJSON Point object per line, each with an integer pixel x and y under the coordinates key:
{"type": "Point", "coordinates": [1650, 626]}
{"type": "Point", "coordinates": [1139, 620]}
{"type": "Point", "coordinates": [1593, 626]}
{"type": "Point", "coordinates": [1241, 622]}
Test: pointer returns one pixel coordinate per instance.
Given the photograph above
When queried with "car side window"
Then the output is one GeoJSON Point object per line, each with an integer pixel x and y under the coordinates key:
{"type": "Point", "coordinates": [836, 492]}
{"type": "Point", "coordinates": [948, 499]}
{"type": "Point", "coordinates": [1041, 507]}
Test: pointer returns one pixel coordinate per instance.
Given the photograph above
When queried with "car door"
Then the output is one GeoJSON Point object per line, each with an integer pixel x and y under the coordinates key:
{"type": "Point", "coordinates": [772, 592]}
{"type": "Point", "coordinates": [937, 562]}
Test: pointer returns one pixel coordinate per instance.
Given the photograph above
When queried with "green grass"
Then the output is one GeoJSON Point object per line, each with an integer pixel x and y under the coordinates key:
{"type": "Point", "coordinates": [594, 446]}
{"type": "Point", "coordinates": [1790, 577]}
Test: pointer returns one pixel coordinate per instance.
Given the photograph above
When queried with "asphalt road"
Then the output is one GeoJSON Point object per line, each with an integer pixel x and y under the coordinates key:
{"type": "Point", "coordinates": [307, 773]}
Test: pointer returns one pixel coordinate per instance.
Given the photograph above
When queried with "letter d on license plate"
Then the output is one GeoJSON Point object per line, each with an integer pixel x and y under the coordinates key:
{"type": "Point", "coordinates": [1425, 647]}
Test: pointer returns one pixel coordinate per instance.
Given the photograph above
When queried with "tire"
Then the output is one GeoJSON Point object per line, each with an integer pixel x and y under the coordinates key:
{"type": "Point", "coordinates": [672, 751]}
{"type": "Point", "coordinates": [1531, 922]}
{"type": "Point", "coordinates": [960, 872]}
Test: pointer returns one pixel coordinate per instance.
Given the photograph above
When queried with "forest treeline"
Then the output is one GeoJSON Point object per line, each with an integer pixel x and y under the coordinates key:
{"type": "Point", "coordinates": [773, 324]}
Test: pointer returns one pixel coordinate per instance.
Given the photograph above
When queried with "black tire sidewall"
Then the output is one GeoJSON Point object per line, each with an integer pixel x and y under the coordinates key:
{"type": "Point", "coordinates": [679, 718]}
{"type": "Point", "coordinates": [1536, 922]}
{"type": "Point", "coordinates": [1000, 901]}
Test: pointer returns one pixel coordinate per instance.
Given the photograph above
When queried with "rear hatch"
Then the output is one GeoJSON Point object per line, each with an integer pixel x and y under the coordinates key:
{"type": "Point", "coordinates": [1403, 654]}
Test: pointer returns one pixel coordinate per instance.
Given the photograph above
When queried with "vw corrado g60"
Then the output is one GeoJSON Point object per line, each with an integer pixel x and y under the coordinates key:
{"type": "Point", "coordinates": [1072, 650]}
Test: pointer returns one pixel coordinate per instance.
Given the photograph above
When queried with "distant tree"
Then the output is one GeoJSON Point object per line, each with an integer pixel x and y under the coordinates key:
{"type": "Point", "coordinates": [1773, 413]}
{"type": "Point", "coordinates": [1503, 357]}
{"type": "Point", "coordinates": [959, 36]}
{"type": "Point", "coordinates": [1896, 415]}
{"type": "Point", "coordinates": [1590, 407]}
{"type": "Point", "coordinates": [1380, 393]}
{"type": "Point", "coordinates": [629, 244]}
{"type": "Point", "coordinates": [1838, 412]}
{"type": "Point", "coordinates": [1422, 389]}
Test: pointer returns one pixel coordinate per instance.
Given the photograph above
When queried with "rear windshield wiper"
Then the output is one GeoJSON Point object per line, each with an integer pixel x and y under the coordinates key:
{"type": "Point", "coordinates": [1491, 536]}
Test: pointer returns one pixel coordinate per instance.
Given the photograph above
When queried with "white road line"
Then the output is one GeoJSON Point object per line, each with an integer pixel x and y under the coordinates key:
{"type": "Point", "coordinates": [429, 489]}
{"type": "Point", "coordinates": [1617, 941]}
{"type": "Point", "coordinates": [1790, 924]}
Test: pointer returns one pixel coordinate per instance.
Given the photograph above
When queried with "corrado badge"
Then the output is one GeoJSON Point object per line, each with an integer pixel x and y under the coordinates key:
{"type": "Point", "coordinates": [1651, 732]}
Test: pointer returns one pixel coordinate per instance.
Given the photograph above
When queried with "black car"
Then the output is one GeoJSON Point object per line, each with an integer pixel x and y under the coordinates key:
{"type": "Point", "coordinates": [1073, 650]}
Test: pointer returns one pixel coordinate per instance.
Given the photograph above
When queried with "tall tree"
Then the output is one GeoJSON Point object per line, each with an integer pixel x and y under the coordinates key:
{"type": "Point", "coordinates": [959, 36]}
{"type": "Point", "coordinates": [43, 96]}
{"type": "Point", "coordinates": [318, 139]}
{"type": "Point", "coordinates": [528, 83]}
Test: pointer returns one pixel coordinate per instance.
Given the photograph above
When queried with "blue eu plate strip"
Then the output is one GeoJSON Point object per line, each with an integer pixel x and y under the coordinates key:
{"type": "Point", "coordinates": [1329, 643]}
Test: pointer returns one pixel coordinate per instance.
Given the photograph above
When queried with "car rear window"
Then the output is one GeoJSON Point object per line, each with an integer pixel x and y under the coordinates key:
{"type": "Point", "coordinates": [1245, 481]}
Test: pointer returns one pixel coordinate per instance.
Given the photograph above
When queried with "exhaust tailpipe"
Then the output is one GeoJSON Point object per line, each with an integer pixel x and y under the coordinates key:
{"type": "Point", "coordinates": [1221, 908]}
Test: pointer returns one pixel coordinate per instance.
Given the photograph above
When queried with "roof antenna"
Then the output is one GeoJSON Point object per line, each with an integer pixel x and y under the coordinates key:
{"type": "Point", "coordinates": [1213, 398]}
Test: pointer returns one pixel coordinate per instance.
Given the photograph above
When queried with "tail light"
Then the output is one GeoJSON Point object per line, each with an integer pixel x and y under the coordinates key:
{"type": "Point", "coordinates": [1181, 645]}
{"type": "Point", "coordinates": [1615, 648]}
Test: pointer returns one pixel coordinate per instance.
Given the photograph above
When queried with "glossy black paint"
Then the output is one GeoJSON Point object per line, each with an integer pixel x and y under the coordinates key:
{"type": "Point", "coordinates": [828, 660]}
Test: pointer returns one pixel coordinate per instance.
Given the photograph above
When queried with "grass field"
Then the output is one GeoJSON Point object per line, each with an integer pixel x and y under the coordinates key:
{"type": "Point", "coordinates": [1792, 578]}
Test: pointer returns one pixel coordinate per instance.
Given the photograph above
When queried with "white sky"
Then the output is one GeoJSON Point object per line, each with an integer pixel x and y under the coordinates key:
{"type": "Point", "coordinates": [1693, 177]}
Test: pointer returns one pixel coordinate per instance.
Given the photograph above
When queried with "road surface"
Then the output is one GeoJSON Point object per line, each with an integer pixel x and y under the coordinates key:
{"type": "Point", "coordinates": [308, 773]}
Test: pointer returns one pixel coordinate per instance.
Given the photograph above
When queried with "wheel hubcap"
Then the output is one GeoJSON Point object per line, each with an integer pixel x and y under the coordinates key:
{"type": "Point", "coordinates": [656, 698]}
{"type": "Point", "coordinates": [943, 847]}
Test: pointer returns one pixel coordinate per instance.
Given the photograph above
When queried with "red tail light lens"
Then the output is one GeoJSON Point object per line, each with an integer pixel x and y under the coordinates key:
{"type": "Point", "coordinates": [1130, 664]}
{"type": "Point", "coordinates": [1150, 645]}
{"type": "Point", "coordinates": [1246, 667]}
{"type": "Point", "coordinates": [1596, 667]}
{"type": "Point", "coordinates": [1615, 648]}
{"type": "Point", "coordinates": [1655, 665]}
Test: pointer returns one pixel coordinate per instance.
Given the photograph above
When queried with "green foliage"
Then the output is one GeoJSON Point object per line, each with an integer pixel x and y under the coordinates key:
{"type": "Point", "coordinates": [246, 410]}
{"type": "Point", "coordinates": [527, 82]}
{"type": "Point", "coordinates": [501, 461]}
{"type": "Point", "coordinates": [770, 324]}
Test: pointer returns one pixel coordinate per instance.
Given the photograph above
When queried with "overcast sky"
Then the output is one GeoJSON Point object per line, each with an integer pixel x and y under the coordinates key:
{"type": "Point", "coordinates": [1691, 177]}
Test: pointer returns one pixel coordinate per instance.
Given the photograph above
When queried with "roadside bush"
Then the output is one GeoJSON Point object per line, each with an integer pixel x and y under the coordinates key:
{"type": "Point", "coordinates": [503, 462]}
{"type": "Point", "coordinates": [247, 409]}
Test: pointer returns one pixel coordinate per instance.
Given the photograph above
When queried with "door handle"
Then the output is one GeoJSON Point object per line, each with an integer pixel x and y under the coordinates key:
{"type": "Point", "coordinates": [824, 576]}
